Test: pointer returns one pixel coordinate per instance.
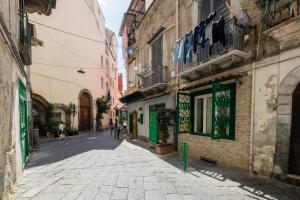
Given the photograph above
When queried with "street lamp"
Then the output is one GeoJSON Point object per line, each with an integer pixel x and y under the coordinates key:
{"type": "Point", "coordinates": [80, 71]}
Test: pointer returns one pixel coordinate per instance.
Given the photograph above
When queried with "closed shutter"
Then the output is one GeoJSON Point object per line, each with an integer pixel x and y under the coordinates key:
{"type": "Point", "coordinates": [205, 9]}
{"type": "Point", "coordinates": [208, 6]}
{"type": "Point", "coordinates": [157, 59]}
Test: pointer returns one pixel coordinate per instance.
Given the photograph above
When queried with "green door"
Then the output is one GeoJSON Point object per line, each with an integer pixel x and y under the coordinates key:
{"type": "Point", "coordinates": [153, 127]}
{"type": "Point", "coordinates": [23, 122]}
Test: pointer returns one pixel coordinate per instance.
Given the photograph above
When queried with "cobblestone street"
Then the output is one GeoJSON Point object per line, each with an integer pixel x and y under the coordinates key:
{"type": "Point", "coordinates": [95, 166]}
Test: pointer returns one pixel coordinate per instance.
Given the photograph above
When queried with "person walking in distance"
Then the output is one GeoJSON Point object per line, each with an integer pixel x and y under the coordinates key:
{"type": "Point", "coordinates": [111, 126]}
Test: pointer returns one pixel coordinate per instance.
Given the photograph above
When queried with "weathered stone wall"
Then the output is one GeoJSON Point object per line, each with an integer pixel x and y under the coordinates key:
{"type": "Point", "coordinates": [9, 76]}
{"type": "Point", "coordinates": [276, 78]}
{"type": "Point", "coordinates": [161, 14]}
{"type": "Point", "coordinates": [228, 153]}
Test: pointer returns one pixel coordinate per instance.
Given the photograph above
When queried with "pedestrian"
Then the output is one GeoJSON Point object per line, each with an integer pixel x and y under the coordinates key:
{"type": "Point", "coordinates": [61, 131]}
{"type": "Point", "coordinates": [116, 129]}
{"type": "Point", "coordinates": [111, 126]}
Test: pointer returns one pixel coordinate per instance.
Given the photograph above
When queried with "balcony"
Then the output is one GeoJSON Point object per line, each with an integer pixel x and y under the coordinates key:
{"type": "Point", "coordinates": [25, 39]}
{"type": "Point", "coordinates": [278, 11]}
{"type": "Point", "coordinates": [154, 80]}
{"type": "Point", "coordinates": [282, 22]}
{"type": "Point", "coordinates": [218, 56]}
{"type": "Point", "coordinates": [40, 6]}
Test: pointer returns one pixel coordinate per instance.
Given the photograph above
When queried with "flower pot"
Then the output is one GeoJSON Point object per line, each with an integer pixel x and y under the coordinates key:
{"type": "Point", "coordinates": [162, 150]}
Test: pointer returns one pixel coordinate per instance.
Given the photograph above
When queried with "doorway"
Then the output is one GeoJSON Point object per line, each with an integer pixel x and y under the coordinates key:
{"type": "Point", "coordinates": [134, 127]}
{"type": "Point", "coordinates": [294, 157]}
{"type": "Point", "coordinates": [153, 129]}
{"type": "Point", "coordinates": [85, 112]}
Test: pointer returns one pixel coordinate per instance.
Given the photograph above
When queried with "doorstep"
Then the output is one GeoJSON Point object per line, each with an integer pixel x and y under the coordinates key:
{"type": "Point", "coordinates": [293, 179]}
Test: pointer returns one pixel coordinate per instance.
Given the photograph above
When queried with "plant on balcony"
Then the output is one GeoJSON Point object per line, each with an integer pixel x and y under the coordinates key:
{"type": "Point", "coordinates": [103, 106]}
{"type": "Point", "coordinates": [165, 119]}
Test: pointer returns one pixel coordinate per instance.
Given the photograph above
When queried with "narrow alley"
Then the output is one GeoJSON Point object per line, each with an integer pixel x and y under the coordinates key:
{"type": "Point", "coordinates": [95, 166]}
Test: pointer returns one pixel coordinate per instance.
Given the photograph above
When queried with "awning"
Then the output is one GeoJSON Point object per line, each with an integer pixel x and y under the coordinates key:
{"type": "Point", "coordinates": [133, 16]}
{"type": "Point", "coordinates": [208, 81]}
{"type": "Point", "coordinates": [135, 96]}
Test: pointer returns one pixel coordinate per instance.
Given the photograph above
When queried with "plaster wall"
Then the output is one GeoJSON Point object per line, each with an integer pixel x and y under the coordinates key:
{"type": "Point", "coordinates": [276, 77]}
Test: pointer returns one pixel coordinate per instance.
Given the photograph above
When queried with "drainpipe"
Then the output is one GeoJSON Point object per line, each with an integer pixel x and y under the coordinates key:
{"type": "Point", "coordinates": [252, 119]}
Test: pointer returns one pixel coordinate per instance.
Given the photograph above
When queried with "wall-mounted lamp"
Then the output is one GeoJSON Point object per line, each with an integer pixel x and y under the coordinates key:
{"type": "Point", "coordinates": [272, 102]}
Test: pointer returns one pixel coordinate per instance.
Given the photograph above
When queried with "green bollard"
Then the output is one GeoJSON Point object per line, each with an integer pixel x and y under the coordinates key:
{"type": "Point", "coordinates": [184, 154]}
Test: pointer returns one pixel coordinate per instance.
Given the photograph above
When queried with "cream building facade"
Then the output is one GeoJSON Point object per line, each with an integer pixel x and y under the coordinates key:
{"type": "Point", "coordinates": [74, 62]}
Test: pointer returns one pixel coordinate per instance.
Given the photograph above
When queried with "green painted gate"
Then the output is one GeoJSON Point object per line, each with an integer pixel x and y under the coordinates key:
{"type": "Point", "coordinates": [153, 131]}
{"type": "Point", "coordinates": [23, 122]}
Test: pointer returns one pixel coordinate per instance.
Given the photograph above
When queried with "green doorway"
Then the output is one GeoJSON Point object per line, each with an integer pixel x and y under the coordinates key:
{"type": "Point", "coordinates": [153, 130]}
{"type": "Point", "coordinates": [23, 122]}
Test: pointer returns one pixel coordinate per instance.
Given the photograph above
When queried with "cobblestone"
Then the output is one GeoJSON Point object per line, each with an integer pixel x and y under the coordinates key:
{"type": "Point", "coordinates": [95, 166]}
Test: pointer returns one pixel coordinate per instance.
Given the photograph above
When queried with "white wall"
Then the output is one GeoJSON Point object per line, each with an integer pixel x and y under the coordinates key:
{"type": "Point", "coordinates": [143, 129]}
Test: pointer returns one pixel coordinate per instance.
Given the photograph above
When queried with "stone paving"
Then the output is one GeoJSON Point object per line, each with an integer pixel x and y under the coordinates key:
{"type": "Point", "coordinates": [95, 166]}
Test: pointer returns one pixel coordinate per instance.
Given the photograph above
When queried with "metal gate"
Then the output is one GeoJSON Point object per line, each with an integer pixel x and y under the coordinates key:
{"type": "Point", "coordinates": [23, 122]}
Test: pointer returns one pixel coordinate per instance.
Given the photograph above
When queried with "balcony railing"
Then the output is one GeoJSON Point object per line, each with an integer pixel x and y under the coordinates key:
{"type": "Point", "coordinates": [154, 79]}
{"type": "Point", "coordinates": [25, 38]}
{"type": "Point", "coordinates": [277, 11]}
{"type": "Point", "coordinates": [218, 55]}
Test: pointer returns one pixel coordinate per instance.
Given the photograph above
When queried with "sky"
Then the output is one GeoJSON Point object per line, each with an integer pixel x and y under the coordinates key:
{"type": "Point", "coordinates": [113, 11]}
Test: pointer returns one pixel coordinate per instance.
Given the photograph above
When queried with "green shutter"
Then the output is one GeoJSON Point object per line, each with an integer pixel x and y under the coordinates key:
{"type": "Point", "coordinates": [23, 122]}
{"type": "Point", "coordinates": [183, 114]}
{"type": "Point", "coordinates": [223, 111]}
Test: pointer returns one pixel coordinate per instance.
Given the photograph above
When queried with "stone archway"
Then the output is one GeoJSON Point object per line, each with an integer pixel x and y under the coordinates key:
{"type": "Point", "coordinates": [39, 109]}
{"type": "Point", "coordinates": [284, 118]}
{"type": "Point", "coordinates": [85, 111]}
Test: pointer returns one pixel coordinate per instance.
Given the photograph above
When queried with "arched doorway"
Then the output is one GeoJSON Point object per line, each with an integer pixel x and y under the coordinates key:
{"type": "Point", "coordinates": [134, 128]}
{"type": "Point", "coordinates": [85, 111]}
{"type": "Point", "coordinates": [288, 118]}
{"type": "Point", "coordinates": [294, 153]}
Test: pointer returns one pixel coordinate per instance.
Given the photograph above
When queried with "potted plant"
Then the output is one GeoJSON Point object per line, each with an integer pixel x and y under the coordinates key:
{"type": "Point", "coordinates": [165, 120]}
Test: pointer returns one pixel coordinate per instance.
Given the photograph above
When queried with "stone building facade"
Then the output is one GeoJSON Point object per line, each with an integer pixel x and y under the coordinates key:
{"type": "Point", "coordinates": [68, 69]}
{"type": "Point", "coordinates": [259, 64]}
{"type": "Point", "coordinates": [15, 97]}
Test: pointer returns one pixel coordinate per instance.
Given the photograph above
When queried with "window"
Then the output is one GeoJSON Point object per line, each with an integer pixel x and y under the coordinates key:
{"type": "Point", "coordinates": [101, 61]}
{"type": "Point", "coordinates": [157, 55]}
{"type": "Point", "coordinates": [214, 112]}
{"type": "Point", "coordinates": [102, 82]}
{"type": "Point", "coordinates": [208, 6]}
{"type": "Point", "coordinates": [56, 117]}
{"type": "Point", "coordinates": [203, 114]}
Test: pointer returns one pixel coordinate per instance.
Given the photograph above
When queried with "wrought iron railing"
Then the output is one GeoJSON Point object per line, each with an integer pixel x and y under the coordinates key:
{"type": "Point", "coordinates": [234, 40]}
{"type": "Point", "coordinates": [276, 11]}
{"type": "Point", "coordinates": [25, 38]}
{"type": "Point", "coordinates": [154, 77]}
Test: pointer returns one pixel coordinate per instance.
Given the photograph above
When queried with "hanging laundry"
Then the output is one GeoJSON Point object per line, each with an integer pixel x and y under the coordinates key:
{"type": "Point", "coordinates": [199, 36]}
{"type": "Point", "coordinates": [201, 32]}
{"type": "Point", "coordinates": [179, 51]}
{"type": "Point", "coordinates": [176, 52]}
{"type": "Point", "coordinates": [218, 33]}
{"type": "Point", "coordinates": [188, 48]}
